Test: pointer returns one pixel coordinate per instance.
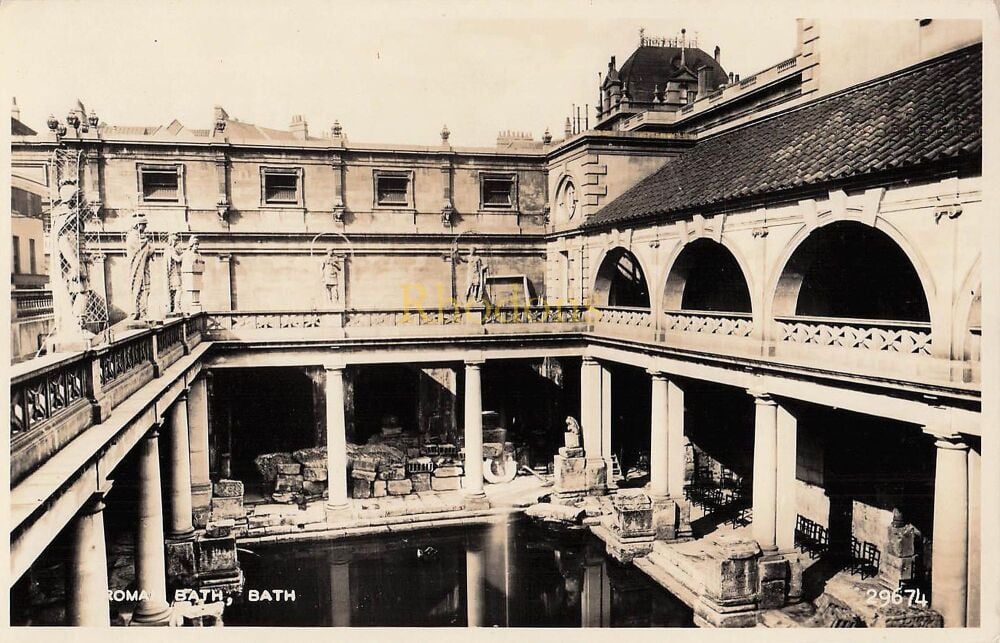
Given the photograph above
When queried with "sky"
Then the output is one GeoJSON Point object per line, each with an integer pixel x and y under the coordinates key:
{"type": "Point", "coordinates": [390, 72]}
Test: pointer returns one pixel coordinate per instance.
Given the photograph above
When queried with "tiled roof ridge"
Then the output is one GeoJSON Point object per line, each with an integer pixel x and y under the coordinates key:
{"type": "Point", "coordinates": [787, 151]}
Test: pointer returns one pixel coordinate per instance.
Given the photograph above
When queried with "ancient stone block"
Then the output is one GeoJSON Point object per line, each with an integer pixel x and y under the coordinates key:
{"type": "Point", "coordinates": [227, 489]}
{"type": "Point", "coordinates": [397, 472]}
{"type": "Point", "coordinates": [361, 488]}
{"type": "Point", "coordinates": [383, 474]}
{"type": "Point", "coordinates": [181, 563]}
{"type": "Point", "coordinates": [311, 457]}
{"type": "Point", "coordinates": [633, 514]}
{"type": "Point", "coordinates": [400, 487]}
{"type": "Point", "coordinates": [312, 487]}
{"type": "Point", "coordinates": [380, 489]}
{"type": "Point", "coordinates": [446, 484]}
{"type": "Point", "coordinates": [289, 469]}
{"type": "Point", "coordinates": [219, 528]}
{"type": "Point", "coordinates": [902, 541]}
{"type": "Point", "coordinates": [731, 576]}
{"type": "Point", "coordinates": [227, 508]}
{"type": "Point", "coordinates": [216, 557]}
{"type": "Point", "coordinates": [288, 483]}
{"type": "Point", "coordinates": [895, 569]}
{"type": "Point", "coordinates": [412, 452]}
{"type": "Point", "coordinates": [494, 435]}
{"type": "Point", "coordinates": [447, 472]}
{"type": "Point", "coordinates": [571, 440]}
{"type": "Point", "coordinates": [775, 569]}
{"type": "Point", "coordinates": [364, 475]}
{"type": "Point", "coordinates": [364, 462]}
{"type": "Point", "coordinates": [772, 594]}
{"type": "Point", "coordinates": [571, 452]}
{"type": "Point", "coordinates": [314, 474]}
{"type": "Point", "coordinates": [421, 481]}
{"type": "Point", "coordinates": [267, 464]}
{"type": "Point", "coordinates": [492, 449]}
{"type": "Point", "coordinates": [570, 473]}
{"type": "Point", "coordinates": [283, 497]}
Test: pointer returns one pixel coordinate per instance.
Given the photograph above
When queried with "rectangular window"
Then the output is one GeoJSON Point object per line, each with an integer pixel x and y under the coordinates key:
{"type": "Point", "coordinates": [33, 267]}
{"type": "Point", "coordinates": [392, 188]}
{"type": "Point", "coordinates": [15, 257]}
{"type": "Point", "coordinates": [281, 185]}
{"type": "Point", "coordinates": [160, 183]}
{"type": "Point", "coordinates": [497, 191]}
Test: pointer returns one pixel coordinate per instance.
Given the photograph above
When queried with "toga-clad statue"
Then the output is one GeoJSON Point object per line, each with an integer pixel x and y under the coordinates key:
{"type": "Point", "coordinates": [172, 256]}
{"type": "Point", "coordinates": [475, 277]}
{"type": "Point", "coordinates": [139, 251]}
{"type": "Point", "coordinates": [331, 276]}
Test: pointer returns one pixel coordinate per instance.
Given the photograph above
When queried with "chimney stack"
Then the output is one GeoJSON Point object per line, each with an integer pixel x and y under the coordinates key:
{"type": "Point", "coordinates": [704, 74]}
{"type": "Point", "coordinates": [718, 54]}
{"type": "Point", "coordinates": [299, 128]}
{"type": "Point", "coordinates": [15, 111]}
{"type": "Point", "coordinates": [568, 131]}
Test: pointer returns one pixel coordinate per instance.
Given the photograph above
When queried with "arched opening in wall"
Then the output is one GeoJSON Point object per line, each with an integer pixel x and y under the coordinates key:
{"type": "Point", "coordinates": [257, 411]}
{"type": "Point", "coordinates": [385, 396]}
{"type": "Point", "coordinates": [847, 269]}
{"type": "Point", "coordinates": [631, 400]}
{"type": "Point", "coordinates": [706, 276]}
{"type": "Point", "coordinates": [621, 282]}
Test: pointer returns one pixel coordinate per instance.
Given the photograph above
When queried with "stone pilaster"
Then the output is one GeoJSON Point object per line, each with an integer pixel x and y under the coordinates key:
{"type": "Point", "coordinates": [87, 581]}
{"type": "Point", "coordinates": [765, 477]}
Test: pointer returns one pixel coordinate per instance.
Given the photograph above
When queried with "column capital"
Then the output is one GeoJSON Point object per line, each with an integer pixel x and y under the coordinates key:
{"type": "Point", "coordinates": [335, 366]}
{"type": "Point", "coordinates": [952, 442]}
{"type": "Point", "coordinates": [589, 360]}
{"type": "Point", "coordinates": [95, 504]}
{"type": "Point", "coordinates": [760, 396]}
{"type": "Point", "coordinates": [474, 363]}
{"type": "Point", "coordinates": [154, 432]}
{"type": "Point", "coordinates": [656, 374]}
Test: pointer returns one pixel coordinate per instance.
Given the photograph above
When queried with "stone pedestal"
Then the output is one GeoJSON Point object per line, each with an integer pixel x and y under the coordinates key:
{"type": "Point", "coordinates": [227, 500]}
{"type": "Point", "coordinates": [579, 476]}
{"type": "Point", "coordinates": [630, 525]}
{"type": "Point", "coordinates": [732, 584]}
{"type": "Point", "coordinates": [671, 519]}
{"type": "Point", "coordinates": [899, 558]}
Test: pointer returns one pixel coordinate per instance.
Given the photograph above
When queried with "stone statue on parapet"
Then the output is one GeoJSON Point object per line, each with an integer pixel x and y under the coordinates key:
{"type": "Point", "coordinates": [331, 277]}
{"type": "Point", "coordinates": [139, 250]}
{"type": "Point", "coordinates": [172, 256]}
{"type": "Point", "coordinates": [69, 279]}
{"type": "Point", "coordinates": [475, 278]}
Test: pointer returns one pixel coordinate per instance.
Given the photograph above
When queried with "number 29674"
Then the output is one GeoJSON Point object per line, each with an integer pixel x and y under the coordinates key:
{"type": "Point", "coordinates": [910, 596]}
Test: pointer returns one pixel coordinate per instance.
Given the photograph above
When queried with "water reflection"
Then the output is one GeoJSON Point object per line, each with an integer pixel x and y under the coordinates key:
{"type": "Point", "coordinates": [506, 574]}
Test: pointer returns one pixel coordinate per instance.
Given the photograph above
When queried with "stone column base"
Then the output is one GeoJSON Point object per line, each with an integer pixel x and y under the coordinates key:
{"type": "Point", "coordinates": [476, 501]}
{"type": "Point", "coordinates": [671, 519]}
{"type": "Point", "coordinates": [577, 477]}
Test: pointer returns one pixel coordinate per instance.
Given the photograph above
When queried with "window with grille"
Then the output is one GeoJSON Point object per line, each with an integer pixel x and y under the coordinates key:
{"type": "Point", "coordinates": [497, 191]}
{"type": "Point", "coordinates": [160, 183]}
{"type": "Point", "coordinates": [281, 186]}
{"type": "Point", "coordinates": [392, 188]}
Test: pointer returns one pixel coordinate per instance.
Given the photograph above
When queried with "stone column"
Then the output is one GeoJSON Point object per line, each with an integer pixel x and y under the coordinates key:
{"type": "Point", "coordinates": [180, 526]}
{"type": "Point", "coordinates": [87, 581]}
{"type": "Point", "coordinates": [606, 420]}
{"type": "Point", "coordinates": [337, 504]}
{"type": "Point", "coordinates": [197, 407]}
{"type": "Point", "coordinates": [786, 509]}
{"type": "Point", "coordinates": [659, 455]}
{"type": "Point", "coordinates": [473, 484]}
{"type": "Point", "coordinates": [150, 563]}
{"type": "Point", "coordinates": [950, 565]}
{"type": "Point", "coordinates": [595, 596]}
{"type": "Point", "coordinates": [475, 586]}
{"type": "Point", "coordinates": [590, 406]}
{"type": "Point", "coordinates": [765, 470]}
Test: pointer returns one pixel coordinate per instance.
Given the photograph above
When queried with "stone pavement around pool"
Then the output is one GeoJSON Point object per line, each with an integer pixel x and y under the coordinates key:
{"type": "Point", "coordinates": [275, 521]}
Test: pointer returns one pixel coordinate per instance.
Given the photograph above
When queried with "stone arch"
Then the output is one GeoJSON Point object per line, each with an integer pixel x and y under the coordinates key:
{"type": "Point", "coordinates": [967, 315]}
{"type": "Point", "coordinates": [707, 275]}
{"type": "Point", "coordinates": [620, 280]}
{"type": "Point", "coordinates": [848, 269]}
